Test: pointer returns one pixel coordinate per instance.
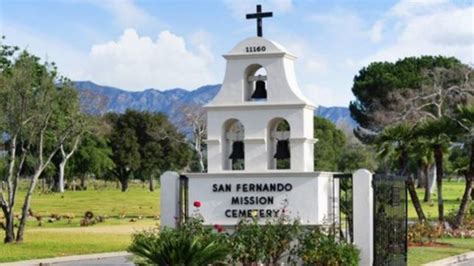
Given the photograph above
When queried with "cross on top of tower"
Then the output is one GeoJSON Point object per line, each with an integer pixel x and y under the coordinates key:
{"type": "Point", "coordinates": [259, 15]}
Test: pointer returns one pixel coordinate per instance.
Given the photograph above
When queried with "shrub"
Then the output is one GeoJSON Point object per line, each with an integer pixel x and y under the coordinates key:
{"type": "Point", "coordinates": [422, 233]}
{"type": "Point", "coordinates": [252, 242]}
{"type": "Point", "coordinates": [192, 244]}
{"type": "Point", "coordinates": [318, 247]}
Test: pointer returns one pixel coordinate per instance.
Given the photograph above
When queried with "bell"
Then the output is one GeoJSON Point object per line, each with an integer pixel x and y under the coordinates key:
{"type": "Point", "coordinates": [237, 150]}
{"type": "Point", "coordinates": [260, 91]}
{"type": "Point", "coordinates": [282, 150]}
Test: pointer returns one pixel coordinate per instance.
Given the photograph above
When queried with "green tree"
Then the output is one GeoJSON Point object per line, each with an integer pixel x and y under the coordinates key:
{"type": "Point", "coordinates": [374, 87]}
{"type": "Point", "coordinates": [436, 132]}
{"type": "Point", "coordinates": [424, 90]}
{"type": "Point", "coordinates": [93, 158]}
{"type": "Point", "coordinates": [396, 142]}
{"type": "Point", "coordinates": [356, 156]}
{"type": "Point", "coordinates": [330, 144]}
{"type": "Point", "coordinates": [36, 124]}
{"type": "Point", "coordinates": [145, 145]}
{"type": "Point", "coordinates": [464, 118]}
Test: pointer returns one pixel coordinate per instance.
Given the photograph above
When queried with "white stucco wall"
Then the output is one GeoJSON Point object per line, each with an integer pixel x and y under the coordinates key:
{"type": "Point", "coordinates": [284, 100]}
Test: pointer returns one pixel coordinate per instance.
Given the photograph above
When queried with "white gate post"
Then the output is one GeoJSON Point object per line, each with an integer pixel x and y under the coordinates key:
{"type": "Point", "coordinates": [169, 199]}
{"type": "Point", "coordinates": [363, 215]}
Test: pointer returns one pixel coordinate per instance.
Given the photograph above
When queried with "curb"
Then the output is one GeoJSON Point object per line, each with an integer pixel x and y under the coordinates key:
{"type": "Point", "coordinates": [452, 260]}
{"type": "Point", "coordinates": [49, 261]}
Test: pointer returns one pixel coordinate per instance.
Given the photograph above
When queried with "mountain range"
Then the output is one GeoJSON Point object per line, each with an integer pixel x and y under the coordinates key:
{"type": "Point", "coordinates": [97, 99]}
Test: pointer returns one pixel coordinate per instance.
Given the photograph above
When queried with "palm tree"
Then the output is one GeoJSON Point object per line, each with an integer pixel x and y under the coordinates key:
{"type": "Point", "coordinates": [422, 155]}
{"type": "Point", "coordinates": [465, 120]}
{"type": "Point", "coordinates": [395, 142]}
{"type": "Point", "coordinates": [437, 132]}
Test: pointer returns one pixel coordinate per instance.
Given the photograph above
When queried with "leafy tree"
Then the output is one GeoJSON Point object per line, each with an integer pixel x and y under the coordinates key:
{"type": "Point", "coordinates": [396, 142]}
{"type": "Point", "coordinates": [93, 157]}
{"type": "Point", "coordinates": [328, 149]}
{"type": "Point", "coordinates": [36, 123]}
{"type": "Point", "coordinates": [374, 86]}
{"type": "Point", "coordinates": [423, 90]}
{"type": "Point", "coordinates": [356, 156]}
{"type": "Point", "coordinates": [464, 118]}
{"type": "Point", "coordinates": [71, 114]}
{"type": "Point", "coordinates": [145, 145]}
{"type": "Point", "coordinates": [194, 117]}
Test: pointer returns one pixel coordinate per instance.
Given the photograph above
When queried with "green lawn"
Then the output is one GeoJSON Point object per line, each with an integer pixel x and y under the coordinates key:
{"type": "Point", "coordinates": [110, 201]}
{"type": "Point", "coordinates": [452, 193]}
{"type": "Point", "coordinates": [421, 255]}
{"type": "Point", "coordinates": [62, 238]}
{"type": "Point", "coordinates": [47, 242]}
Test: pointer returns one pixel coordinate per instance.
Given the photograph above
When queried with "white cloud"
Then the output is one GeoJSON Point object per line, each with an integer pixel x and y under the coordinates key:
{"type": "Point", "coordinates": [431, 30]}
{"type": "Point", "coordinates": [376, 31]}
{"type": "Point", "coordinates": [136, 62]}
{"type": "Point", "coordinates": [408, 8]}
{"type": "Point", "coordinates": [309, 61]}
{"type": "Point", "coordinates": [241, 7]}
{"type": "Point", "coordinates": [126, 12]}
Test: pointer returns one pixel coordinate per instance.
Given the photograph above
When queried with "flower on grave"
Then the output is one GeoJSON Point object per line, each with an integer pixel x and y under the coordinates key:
{"type": "Point", "coordinates": [197, 204]}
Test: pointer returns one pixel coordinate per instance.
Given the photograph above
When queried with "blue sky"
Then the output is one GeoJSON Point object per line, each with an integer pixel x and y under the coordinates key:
{"type": "Point", "coordinates": [158, 44]}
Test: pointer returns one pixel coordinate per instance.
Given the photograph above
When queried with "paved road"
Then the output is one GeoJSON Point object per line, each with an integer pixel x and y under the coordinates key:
{"type": "Point", "coordinates": [465, 263]}
{"type": "Point", "coordinates": [119, 261]}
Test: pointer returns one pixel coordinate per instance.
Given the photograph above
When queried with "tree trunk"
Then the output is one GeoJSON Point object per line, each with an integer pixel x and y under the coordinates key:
{"type": "Point", "coordinates": [83, 182]}
{"type": "Point", "coordinates": [421, 177]}
{"type": "Point", "coordinates": [438, 155]}
{"type": "Point", "coordinates": [124, 184]}
{"type": "Point", "coordinates": [26, 206]}
{"type": "Point", "coordinates": [415, 200]}
{"type": "Point", "coordinates": [403, 163]}
{"type": "Point", "coordinates": [152, 183]}
{"type": "Point", "coordinates": [467, 191]}
{"type": "Point", "coordinates": [9, 227]}
{"type": "Point", "coordinates": [427, 184]}
{"type": "Point", "coordinates": [197, 147]}
{"type": "Point", "coordinates": [62, 167]}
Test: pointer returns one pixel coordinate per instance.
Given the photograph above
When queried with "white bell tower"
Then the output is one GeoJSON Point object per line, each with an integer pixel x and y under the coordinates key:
{"type": "Point", "coordinates": [261, 111]}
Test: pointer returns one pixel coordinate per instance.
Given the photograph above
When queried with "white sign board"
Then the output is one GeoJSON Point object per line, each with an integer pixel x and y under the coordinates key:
{"type": "Point", "coordinates": [227, 199]}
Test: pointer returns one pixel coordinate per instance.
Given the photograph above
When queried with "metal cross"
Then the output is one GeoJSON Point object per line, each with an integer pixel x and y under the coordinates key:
{"type": "Point", "coordinates": [259, 15]}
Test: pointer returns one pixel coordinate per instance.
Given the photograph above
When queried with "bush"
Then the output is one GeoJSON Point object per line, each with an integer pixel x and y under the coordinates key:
{"type": "Point", "coordinates": [195, 244]}
{"type": "Point", "coordinates": [422, 233]}
{"type": "Point", "coordinates": [319, 247]}
{"type": "Point", "coordinates": [252, 242]}
{"type": "Point", "coordinates": [192, 244]}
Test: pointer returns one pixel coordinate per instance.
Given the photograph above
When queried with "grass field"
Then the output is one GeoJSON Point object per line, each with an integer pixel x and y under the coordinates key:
{"type": "Point", "coordinates": [421, 255]}
{"type": "Point", "coordinates": [47, 242]}
{"type": "Point", "coordinates": [452, 193]}
{"type": "Point", "coordinates": [62, 238]}
{"type": "Point", "coordinates": [109, 201]}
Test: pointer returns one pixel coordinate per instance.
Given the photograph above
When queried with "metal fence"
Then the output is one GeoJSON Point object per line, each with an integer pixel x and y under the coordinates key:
{"type": "Point", "coordinates": [390, 220]}
{"type": "Point", "coordinates": [343, 207]}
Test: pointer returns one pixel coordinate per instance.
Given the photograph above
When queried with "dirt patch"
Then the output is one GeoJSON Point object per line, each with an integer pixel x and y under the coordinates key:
{"type": "Point", "coordinates": [430, 244]}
